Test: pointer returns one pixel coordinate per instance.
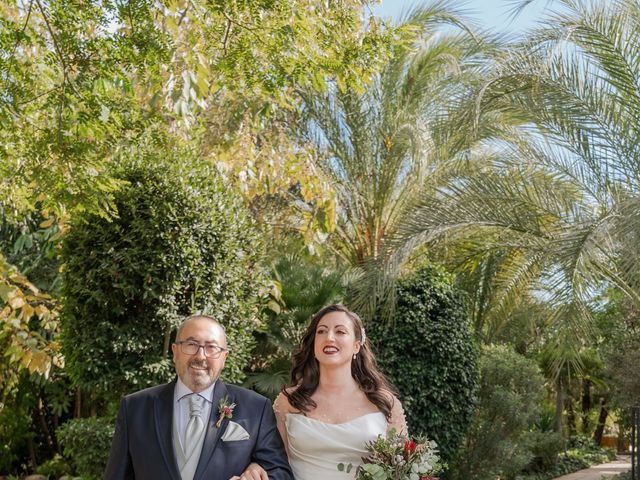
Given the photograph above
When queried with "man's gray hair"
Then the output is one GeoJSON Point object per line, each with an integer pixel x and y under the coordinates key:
{"type": "Point", "coordinates": [197, 316]}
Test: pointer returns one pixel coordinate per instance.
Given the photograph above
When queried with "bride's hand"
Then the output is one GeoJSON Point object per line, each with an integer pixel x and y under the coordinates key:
{"type": "Point", "coordinates": [253, 472]}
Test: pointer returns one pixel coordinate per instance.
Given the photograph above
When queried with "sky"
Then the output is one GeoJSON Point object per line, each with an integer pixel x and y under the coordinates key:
{"type": "Point", "coordinates": [492, 14]}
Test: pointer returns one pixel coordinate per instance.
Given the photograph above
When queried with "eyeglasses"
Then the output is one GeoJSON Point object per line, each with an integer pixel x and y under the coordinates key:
{"type": "Point", "coordinates": [189, 347]}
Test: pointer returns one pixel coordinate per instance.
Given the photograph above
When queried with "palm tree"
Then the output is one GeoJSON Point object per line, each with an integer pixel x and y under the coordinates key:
{"type": "Point", "coordinates": [561, 209]}
{"type": "Point", "coordinates": [558, 211]}
{"type": "Point", "coordinates": [395, 143]}
{"type": "Point", "coordinates": [301, 288]}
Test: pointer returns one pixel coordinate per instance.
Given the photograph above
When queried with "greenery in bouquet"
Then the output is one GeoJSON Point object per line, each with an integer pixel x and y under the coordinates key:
{"type": "Point", "coordinates": [397, 457]}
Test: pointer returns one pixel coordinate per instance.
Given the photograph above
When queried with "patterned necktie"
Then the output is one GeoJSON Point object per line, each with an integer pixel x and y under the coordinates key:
{"type": "Point", "coordinates": [195, 427]}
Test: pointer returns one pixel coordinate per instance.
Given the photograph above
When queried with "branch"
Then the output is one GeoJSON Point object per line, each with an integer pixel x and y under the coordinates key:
{"type": "Point", "coordinates": [226, 36]}
{"type": "Point", "coordinates": [184, 14]}
{"type": "Point", "coordinates": [55, 41]}
{"type": "Point", "coordinates": [254, 31]}
{"type": "Point", "coordinates": [24, 27]}
{"type": "Point", "coordinates": [24, 102]}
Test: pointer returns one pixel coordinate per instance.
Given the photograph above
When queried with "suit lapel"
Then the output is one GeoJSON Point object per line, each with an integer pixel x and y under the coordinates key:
{"type": "Point", "coordinates": [212, 434]}
{"type": "Point", "coordinates": [163, 415]}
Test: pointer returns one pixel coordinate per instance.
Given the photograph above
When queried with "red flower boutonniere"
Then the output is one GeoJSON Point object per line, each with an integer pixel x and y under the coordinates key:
{"type": "Point", "coordinates": [225, 410]}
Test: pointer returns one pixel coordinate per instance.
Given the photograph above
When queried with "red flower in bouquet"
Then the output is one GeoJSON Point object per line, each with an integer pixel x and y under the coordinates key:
{"type": "Point", "coordinates": [409, 448]}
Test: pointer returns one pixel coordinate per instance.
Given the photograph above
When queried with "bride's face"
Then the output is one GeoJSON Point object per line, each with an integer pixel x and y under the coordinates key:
{"type": "Point", "coordinates": [335, 341]}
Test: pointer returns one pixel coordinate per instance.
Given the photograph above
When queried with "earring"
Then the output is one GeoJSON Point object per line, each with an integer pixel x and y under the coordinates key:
{"type": "Point", "coordinates": [354, 355]}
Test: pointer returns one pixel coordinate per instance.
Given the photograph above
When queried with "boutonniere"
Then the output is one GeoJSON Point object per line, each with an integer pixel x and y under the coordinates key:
{"type": "Point", "coordinates": [225, 410]}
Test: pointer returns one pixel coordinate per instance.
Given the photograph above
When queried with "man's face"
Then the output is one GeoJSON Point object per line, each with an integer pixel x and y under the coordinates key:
{"type": "Point", "coordinates": [198, 371]}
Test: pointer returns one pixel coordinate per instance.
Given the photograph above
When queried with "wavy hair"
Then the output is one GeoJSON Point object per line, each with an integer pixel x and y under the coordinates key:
{"type": "Point", "coordinates": [305, 374]}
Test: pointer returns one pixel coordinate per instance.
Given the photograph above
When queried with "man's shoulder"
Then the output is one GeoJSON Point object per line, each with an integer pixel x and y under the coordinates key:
{"type": "Point", "coordinates": [245, 394]}
{"type": "Point", "coordinates": [151, 392]}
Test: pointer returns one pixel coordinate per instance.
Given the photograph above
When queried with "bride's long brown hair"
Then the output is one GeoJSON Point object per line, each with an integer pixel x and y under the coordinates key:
{"type": "Point", "coordinates": [305, 374]}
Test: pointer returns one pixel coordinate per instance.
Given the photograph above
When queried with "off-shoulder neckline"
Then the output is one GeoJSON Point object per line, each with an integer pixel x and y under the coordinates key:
{"type": "Point", "coordinates": [334, 424]}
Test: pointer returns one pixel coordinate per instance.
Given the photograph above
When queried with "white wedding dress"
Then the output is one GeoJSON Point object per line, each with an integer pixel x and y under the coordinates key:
{"type": "Point", "coordinates": [316, 448]}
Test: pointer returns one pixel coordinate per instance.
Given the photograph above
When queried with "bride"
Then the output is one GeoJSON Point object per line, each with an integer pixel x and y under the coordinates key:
{"type": "Point", "coordinates": [337, 400]}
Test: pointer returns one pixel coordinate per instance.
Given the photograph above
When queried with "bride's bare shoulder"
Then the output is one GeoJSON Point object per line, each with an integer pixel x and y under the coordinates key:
{"type": "Point", "coordinates": [281, 404]}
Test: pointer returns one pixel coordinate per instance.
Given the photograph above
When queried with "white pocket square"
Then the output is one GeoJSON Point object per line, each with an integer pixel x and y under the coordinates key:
{"type": "Point", "coordinates": [234, 432]}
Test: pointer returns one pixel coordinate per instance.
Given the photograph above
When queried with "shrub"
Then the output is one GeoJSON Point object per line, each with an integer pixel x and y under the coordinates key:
{"type": "Point", "coordinates": [429, 354]}
{"type": "Point", "coordinates": [15, 430]}
{"type": "Point", "coordinates": [86, 442]}
{"type": "Point", "coordinates": [581, 453]}
{"type": "Point", "coordinates": [181, 243]}
{"type": "Point", "coordinates": [545, 447]}
{"type": "Point", "coordinates": [496, 444]}
{"type": "Point", "coordinates": [55, 467]}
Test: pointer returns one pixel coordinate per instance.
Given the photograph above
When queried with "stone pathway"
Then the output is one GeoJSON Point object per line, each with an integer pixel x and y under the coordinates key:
{"type": "Point", "coordinates": [597, 472]}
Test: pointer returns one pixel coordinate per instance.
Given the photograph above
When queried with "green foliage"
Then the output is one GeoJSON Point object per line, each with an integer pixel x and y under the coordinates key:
{"type": "Point", "coordinates": [181, 243]}
{"type": "Point", "coordinates": [83, 79]}
{"type": "Point", "coordinates": [29, 330]}
{"type": "Point", "coordinates": [300, 288]}
{"type": "Point", "coordinates": [388, 149]}
{"type": "Point", "coordinates": [15, 426]}
{"type": "Point", "coordinates": [29, 412]}
{"type": "Point", "coordinates": [429, 354]}
{"type": "Point", "coordinates": [55, 467]}
{"type": "Point", "coordinates": [86, 443]}
{"type": "Point", "coordinates": [28, 241]}
{"type": "Point", "coordinates": [508, 398]}
{"type": "Point", "coordinates": [545, 447]}
{"type": "Point", "coordinates": [581, 453]}
{"type": "Point", "coordinates": [68, 97]}
{"type": "Point", "coordinates": [619, 328]}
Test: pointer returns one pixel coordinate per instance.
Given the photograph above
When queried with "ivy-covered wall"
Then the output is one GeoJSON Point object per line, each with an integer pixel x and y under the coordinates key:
{"type": "Point", "coordinates": [429, 353]}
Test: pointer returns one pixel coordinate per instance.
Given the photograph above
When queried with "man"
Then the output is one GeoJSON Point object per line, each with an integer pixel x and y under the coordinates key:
{"type": "Point", "coordinates": [196, 427]}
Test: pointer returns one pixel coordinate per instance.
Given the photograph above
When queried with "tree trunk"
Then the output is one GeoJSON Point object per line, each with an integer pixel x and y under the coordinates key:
{"type": "Point", "coordinates": [571, 416]}
{"type": "Point", "coordinates": [40, 414]}
{"type": "Point", "coordinates": [32, 453]}
{"type": "Point", "coordinates": [557, 426]}
{"type": "Point", "coordinates": [167, 341]}
{"type": "Point", "coordinates": [78, 406]}
{"type": "Point", "coordinates": [602, 419]}
{"type": "Point", "coordinates": [586, 405]}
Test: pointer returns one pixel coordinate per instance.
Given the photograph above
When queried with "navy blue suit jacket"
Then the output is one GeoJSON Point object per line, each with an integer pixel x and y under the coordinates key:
{"type": "Point", "coordinates": [142, 447]}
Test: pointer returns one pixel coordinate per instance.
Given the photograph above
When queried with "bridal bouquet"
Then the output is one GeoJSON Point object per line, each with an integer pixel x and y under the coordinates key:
{"type": "Point", "coordinates": [396, 457]}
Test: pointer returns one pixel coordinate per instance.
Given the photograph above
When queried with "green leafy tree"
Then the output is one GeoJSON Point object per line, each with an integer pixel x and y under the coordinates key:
{"type": "Point", "coordinates": [182, 243]}
{"type": "Point", "coordinates": [508, 400]}
{"type": "Point", "coordinates": [556, 212]}
{"type": "Point", "coordinates": [573, 85]}
{"type": "Point", "coordinates": [82, 82]}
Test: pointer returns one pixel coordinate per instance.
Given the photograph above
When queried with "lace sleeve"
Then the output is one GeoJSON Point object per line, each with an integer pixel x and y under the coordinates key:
{"type": "Point", "coordinates": [281, 407]}
{"type": "Point", "coordinates": [398, 420]}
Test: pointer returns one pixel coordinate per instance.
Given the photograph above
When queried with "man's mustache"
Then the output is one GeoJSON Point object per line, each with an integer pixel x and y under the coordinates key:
{"type": "Point", "coordinates": [198, 364]}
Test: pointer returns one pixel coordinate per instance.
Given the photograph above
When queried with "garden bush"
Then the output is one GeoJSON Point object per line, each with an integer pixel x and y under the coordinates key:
{"type": "Point", "coordinates": [545, 447]}
{"type": "Point", "coordinates": [86, 442]}
{"type": "Point", "coordinates": [181, 243]}
{"type": "Point", "coordinates": [581, 452]}
{"type": "Point", "coordinates": [510, 392]}
{"type": "Point", "coordinates": [55, 467]}
{"type": "Point", "coordinates": [429, 354]}
{"type": "Point", "coordinates": [15, 431]}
